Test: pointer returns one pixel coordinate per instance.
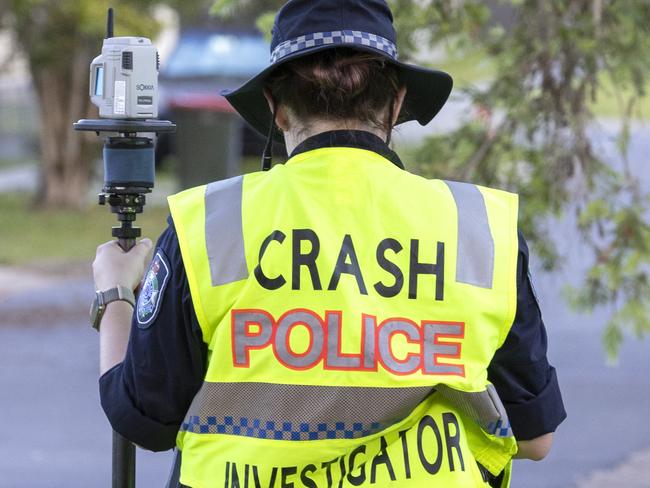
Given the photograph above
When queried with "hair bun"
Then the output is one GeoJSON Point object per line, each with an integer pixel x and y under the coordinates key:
{"type": "Point", "coordinates": [341, 83]}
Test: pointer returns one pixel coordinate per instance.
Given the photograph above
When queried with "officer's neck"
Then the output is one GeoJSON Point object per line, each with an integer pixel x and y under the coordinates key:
{"type": "Point", "coordinates": [297, 134]}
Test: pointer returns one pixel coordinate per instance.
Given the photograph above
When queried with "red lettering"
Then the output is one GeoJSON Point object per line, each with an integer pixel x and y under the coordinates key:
{"type": "Point", "coordinates": [430, 343]}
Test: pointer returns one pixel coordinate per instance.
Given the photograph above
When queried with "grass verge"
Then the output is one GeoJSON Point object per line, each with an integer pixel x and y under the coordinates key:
{"type": "Point", "coordinates": [45, 236]}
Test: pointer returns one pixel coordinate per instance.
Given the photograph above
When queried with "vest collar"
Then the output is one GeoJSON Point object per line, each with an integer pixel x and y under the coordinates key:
{"type": "Point", "coordinates": [356, 139]}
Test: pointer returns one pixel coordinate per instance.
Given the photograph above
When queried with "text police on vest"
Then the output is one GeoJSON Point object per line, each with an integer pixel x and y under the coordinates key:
{"type": "Point", "coordinates": [255, 330]}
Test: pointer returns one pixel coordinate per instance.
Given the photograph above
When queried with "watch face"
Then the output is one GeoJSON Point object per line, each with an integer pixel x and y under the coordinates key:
{"type": "Point", "coordinates": [94, 308]}
{"type": "Point", "coordinates": [95, 313]}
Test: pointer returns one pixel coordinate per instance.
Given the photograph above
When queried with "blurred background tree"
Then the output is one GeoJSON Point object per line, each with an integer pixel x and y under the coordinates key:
{"type": "Point", "coordinates": [551, 61]}
{"type": "Point", "coordinates": [59, 38]}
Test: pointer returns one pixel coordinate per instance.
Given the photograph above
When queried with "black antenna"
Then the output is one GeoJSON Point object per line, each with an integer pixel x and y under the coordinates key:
{"type": "Point", "coordinates": [109, 24]}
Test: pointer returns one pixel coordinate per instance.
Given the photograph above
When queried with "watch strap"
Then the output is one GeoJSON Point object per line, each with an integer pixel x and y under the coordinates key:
{"type": "Point", "coordinates": [118, 293]}
{"type": "Point", "coordinates": [103, 298]}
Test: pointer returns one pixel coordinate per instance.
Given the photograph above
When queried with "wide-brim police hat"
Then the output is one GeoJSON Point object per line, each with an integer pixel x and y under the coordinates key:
{"type": "Point", "coordinates": [304, 27]}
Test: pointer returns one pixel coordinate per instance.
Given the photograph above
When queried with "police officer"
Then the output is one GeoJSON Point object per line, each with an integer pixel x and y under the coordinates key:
{"type": "Point", "coordinates": [335, 321]}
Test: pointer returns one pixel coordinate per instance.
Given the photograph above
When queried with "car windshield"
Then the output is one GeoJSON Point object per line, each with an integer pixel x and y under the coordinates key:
{"type": "Point", "coordinates": [211, 54]}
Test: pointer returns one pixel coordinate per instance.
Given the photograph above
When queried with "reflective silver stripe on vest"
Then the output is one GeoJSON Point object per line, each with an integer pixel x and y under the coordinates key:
{"type": "Point", "coordinates": [298, 412]}
{"type": "Point", "coordinates": [484, 407]}
{"type": "Point", "coordinates": [475, 256]}
{"type": "Point", "coordinates": [224, 234]}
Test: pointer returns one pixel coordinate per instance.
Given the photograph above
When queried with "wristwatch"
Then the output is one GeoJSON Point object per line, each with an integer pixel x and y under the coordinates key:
{"type": "Point", "coordinates": [103, 298]}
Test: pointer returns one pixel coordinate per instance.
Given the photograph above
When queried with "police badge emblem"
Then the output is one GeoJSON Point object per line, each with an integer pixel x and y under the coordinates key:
{"type": "Point", "coordinates": [152, 289]}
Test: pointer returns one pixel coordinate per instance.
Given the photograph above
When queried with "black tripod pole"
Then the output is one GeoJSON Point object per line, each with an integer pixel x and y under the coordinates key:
{"type": "Point", "coordinates": [129, 172]}
{"type": "Point", "coordinates": [123, 451]}
{"type": "Point", "coordinates": [125, 206]}
{"type": "Point", "coordinates": [126, 203]}
{"type": "Point", "coordinates": [126, 244]}
{"type": "Point", "coordinates": [123, 462]}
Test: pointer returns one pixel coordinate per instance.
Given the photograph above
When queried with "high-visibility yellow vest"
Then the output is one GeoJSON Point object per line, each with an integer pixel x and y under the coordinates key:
{"type": "Point", "coordinates": [350, 310]}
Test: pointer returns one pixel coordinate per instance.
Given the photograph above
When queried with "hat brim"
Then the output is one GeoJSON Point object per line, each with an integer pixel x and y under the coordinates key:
{"type": "Point", "coordinates": [427, 90]}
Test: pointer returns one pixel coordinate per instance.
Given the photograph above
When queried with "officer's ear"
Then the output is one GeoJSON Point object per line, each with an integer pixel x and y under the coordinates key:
{"type": "Point", "coordinates": [281, 114]}
{"type": "Point", "coordinates": [397, 104]}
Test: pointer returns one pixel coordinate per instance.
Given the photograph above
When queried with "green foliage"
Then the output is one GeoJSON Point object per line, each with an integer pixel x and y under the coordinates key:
{"type": "Point", "coordinates": [72, 23]}
{"type": "Point", "coordinates": [191, 12]}
{"type": "Point", "coordinates": [265, 23]}
{"type": "Point", "coordinates": [527, 130]}
{"type": "Point", "coordinates": [558, 57]}
{"type": "Point", "coordinates": [260, 12]}
{"type": "Point", "coordinates": [612, 340]}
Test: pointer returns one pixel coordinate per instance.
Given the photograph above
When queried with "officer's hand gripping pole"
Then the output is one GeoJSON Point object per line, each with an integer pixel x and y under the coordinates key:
{"type": "Point", "coordinates": [124, 84]}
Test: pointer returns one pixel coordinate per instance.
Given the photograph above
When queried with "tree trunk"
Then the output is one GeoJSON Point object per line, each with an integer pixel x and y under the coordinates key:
{"type": "Point", "coordinates": [66, 154]}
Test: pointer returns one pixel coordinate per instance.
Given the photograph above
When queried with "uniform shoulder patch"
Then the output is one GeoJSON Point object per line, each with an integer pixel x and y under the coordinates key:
{"type": "Point", "coordinates": [152, 290]}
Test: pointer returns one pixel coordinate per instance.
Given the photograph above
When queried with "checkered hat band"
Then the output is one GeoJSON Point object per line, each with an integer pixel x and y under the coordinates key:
{"type": "Point", "coordinates": [342, 38]}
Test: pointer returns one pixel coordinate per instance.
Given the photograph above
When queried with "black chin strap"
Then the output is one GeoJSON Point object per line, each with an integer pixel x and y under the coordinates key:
{"type": "Point", "coordinates": [267, 156]}
{"type": "Point", "coordinates": [391, 113]}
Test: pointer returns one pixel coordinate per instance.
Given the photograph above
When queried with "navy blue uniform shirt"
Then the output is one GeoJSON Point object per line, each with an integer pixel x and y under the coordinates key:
{"type": "Point", "coordinates": [147, 396]}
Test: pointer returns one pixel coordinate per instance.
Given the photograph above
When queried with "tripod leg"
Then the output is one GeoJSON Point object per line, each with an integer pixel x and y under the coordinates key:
{"type": "Point", "coordinates": [123, 450]}
{"type": "Point", "coordinates": [123, 462]}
